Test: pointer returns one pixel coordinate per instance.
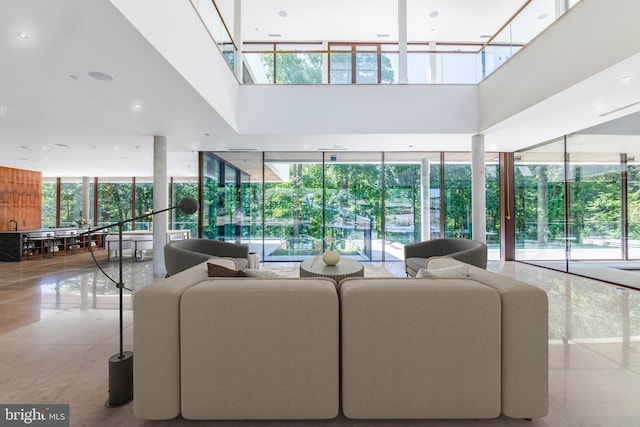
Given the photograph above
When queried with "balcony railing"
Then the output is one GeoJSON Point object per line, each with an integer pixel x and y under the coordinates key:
{"type": "Point", "coordinates": [378, 63]}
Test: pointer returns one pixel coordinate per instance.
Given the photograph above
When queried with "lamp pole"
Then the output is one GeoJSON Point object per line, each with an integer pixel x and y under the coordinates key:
{"type": "Point", "coordinates": [121, 364]}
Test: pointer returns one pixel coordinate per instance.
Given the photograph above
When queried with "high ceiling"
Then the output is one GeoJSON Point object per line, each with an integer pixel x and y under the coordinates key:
{"type": "Point", "coordinates": [56, 118]}
{"type": "Point", "coordinates": [372, 20]}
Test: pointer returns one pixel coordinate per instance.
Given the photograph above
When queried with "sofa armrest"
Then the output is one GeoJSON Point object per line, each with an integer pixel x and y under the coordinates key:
{"type": "Point", "coordinates": [525, 341]}
{"type": "Point", "coordinates": [156, 343]}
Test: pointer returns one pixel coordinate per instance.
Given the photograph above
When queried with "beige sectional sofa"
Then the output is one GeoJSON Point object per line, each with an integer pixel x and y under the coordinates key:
{"type": "Point", "coordinates": [383, 348]}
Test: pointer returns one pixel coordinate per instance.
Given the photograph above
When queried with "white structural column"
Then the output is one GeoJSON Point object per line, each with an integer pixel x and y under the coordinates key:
{"type": "Point", "coordinates": [237, 38]}
{"type": "Point", "coordinates": [160, 201]}
{"type": "Point", "coordinates": [478, 189]}
{"type": "Point", "coordinates": [86, 199]}
{"type": "Point", "coordinates": [402, 42]}
{"type": "Point", "coordinates": [425, 199]}
{"type": "Point", "coordinates": [433, 62]}
{"type": "Point", "coordinates": [561, 7]}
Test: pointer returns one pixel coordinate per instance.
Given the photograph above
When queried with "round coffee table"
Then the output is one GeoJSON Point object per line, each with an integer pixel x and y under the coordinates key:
{"type": "Point", "coordinates": [315, 267]}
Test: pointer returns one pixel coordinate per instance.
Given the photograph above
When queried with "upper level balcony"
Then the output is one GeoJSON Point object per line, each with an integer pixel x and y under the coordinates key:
{"type": "Point", "coordinates": [379, 61]}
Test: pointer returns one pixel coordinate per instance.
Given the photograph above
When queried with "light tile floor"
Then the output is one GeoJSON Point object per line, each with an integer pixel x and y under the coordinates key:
{"type": "Point", "coordinates": [59, 327]}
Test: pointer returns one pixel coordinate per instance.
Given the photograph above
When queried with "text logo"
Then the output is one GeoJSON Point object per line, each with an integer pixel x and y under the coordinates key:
{"type": "Point", "coordinates": [34, 415]}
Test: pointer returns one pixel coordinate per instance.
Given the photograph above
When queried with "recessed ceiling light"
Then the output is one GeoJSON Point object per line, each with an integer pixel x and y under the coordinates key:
{"type": "Point", "coordinates": [626, 78]}
{"type": "Point", "coordinates": [3, 109]}
{"type": "Point", "coordinates": [382, 35]}
{"type": "Point", "coordinates": [543, 16]}
{"type": "Point", "coordinates": [207, 134]}
{"type": "Point", "coordinates": [485, 36]}
{"type": "Point", "coordinates": [60, 144]}
{"type": "Point", "coordinates": [100, 76]}
{"type": "Point", "coordinates": [73, 76]}
{"type": "Point", "coordinates": [26, 147]}
{"type": "Point", "coordinates": [22, 35]}
{"type": "Point", "coordinates": [274, 35]}
{"type": "Point", "coordinates": [434, 14]}
{"type": "Point", "coordinates": [137, 106]}
{"type": "Point", "coordinates": [283, 13]}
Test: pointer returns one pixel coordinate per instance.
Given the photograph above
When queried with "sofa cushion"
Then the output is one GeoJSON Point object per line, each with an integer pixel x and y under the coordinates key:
{"type": "Point", "coordinates": [419, 348]}
{"type": "Point", "coordinates": [260, 349]}
{"type": "Point", "coordinates": [455, 271]}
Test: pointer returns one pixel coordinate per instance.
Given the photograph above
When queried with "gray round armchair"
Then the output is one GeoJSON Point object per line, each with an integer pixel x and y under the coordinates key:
{"type": "Point", "coordinates": [182, 254]}
{"type": "Point", "coordinates": [469, 251]}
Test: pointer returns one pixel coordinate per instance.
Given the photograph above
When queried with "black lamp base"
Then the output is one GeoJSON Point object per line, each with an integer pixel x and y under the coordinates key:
{"type": "Point", "coordinates": [120, 379]}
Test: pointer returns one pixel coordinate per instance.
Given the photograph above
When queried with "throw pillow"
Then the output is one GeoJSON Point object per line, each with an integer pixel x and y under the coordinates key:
{"type": "Point", "coordinates": [216, 270]}
{"type": "Point", "coordinates": [446, 272]}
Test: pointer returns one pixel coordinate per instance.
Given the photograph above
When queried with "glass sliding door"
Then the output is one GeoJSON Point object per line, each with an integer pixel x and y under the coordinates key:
{"type": "Point", "coordinates": [353, 194]}
{"type": "Point", "coordinates": [594, 208]}
{"type": "Point", "coordinates": [212, 205]}
{"type": "Point", "coordinates": [231, 205]}
{"type": "Point", "coordinates": [408, 200]}
{"type": "Point", "coordinates": [539, 204]}
{"type": "Point", "coordinates": [457, 195]}
{"type": "Point", "coordinates": [293, 206]}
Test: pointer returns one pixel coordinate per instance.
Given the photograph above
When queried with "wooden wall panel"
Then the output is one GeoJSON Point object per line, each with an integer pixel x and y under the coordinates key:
{"type": "Point", "coordinates": [20, 198]}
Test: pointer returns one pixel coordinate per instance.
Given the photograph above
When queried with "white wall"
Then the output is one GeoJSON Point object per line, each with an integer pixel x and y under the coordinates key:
{"type": "Point", "coordinates": [326, 109]}
{"type": "Point", "coordinates": [173, 28]}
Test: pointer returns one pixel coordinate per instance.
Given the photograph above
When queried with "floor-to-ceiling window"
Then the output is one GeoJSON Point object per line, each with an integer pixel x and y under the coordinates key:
{"type": "Point", "coordinates": [212, 205]}
{"type": "Point", "coordinates": [70, 202]}
{"type": "Point", "coordinates": [353, 204]}
{"type": "Point", "coordinates": [289, 206]}
{"type": "Point", "coordinates": [144, 202]}
{"type": "Point", "coordinates": [576, 203]}
{"type": "Point", "coordinates": [49, 205]}
{"type": "Point", "coordinates": [457, 195]}
{"type": "Point", "coordinates": [539, 203]}
{"type": "Point", "coordinates": [293, 205]}
{"type": "Point", "coordinates": [407, 200]}
{"type": "Point", "coordinates": [181, 188]}
{"type": "Point", "coordinates": [633, 204]}
{"type": "Point", "coordinates": [114, 201]}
